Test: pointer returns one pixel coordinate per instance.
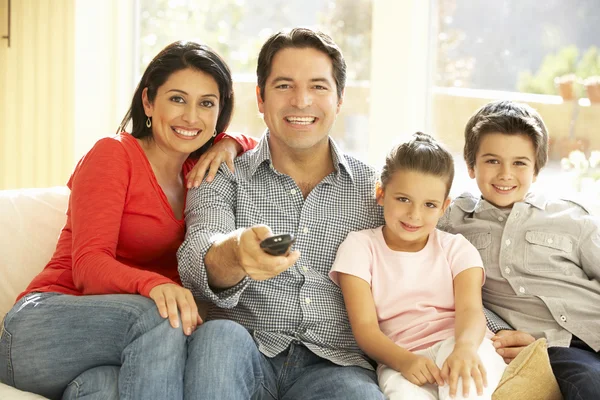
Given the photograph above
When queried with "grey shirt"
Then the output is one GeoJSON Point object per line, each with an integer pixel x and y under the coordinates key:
{"type": "Point", "coordinates": [542, 261]}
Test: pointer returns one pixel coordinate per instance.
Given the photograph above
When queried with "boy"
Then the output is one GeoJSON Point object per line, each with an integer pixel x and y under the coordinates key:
{"type": "Point", "coordinates": [542, 256]}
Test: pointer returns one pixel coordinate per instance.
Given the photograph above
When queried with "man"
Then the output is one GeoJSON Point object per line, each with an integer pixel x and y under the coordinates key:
{"type": "Point", "coordinates": [296, 341]}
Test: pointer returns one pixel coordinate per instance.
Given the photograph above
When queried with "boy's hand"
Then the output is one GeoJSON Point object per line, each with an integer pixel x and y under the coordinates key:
{"type": "Point", "coordinates": [510, 343]}
{"type": "Point", "coordinates": [421, 370]}
{"type": "Point", "coordinates": [464, 363]}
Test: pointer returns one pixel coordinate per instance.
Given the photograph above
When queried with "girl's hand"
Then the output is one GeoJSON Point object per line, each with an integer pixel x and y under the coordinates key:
{"type": "Point", "coordinates": [224, 151]}
{"type": "Point", "coordinates": [421, 370]}
{"type": "Point", "coordinates": [170, 297]}
{"type": "Point", "coordinates": [464, 362]}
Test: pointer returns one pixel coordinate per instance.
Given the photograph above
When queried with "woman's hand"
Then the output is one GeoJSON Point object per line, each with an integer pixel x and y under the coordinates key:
{"type": "Point", "coordinates": [223, 152]}
{"type": "Point", "coordinates": [169, 298]}
{"type": "Point", "coordinates": [421, 370]}
{"type": "Point", "coordinates": [464, 362]}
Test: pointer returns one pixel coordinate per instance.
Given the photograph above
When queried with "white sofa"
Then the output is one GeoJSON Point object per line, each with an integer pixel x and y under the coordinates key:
{"type": "Point", "coordinates": [30, 222]}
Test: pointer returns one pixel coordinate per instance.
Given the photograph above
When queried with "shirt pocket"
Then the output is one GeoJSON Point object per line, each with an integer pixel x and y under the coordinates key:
{"type": "Point", "coordinates": [482, 242]}
{"type": "Point", "coordinates": [544, 251]}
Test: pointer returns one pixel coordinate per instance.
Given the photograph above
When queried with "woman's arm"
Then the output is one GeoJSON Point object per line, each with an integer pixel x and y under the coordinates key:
{"type": "Point", "coordinates": [363, 319]}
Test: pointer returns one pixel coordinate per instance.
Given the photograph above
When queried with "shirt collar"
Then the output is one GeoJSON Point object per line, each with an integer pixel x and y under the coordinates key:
{"type": "Point", "coordinates": [262, 154]}
{"type": "Point", "coordinates": [470, 203]}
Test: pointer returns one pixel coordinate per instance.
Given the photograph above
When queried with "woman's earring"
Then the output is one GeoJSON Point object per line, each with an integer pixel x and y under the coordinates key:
{"type": "Point", "coordinates": [148, 122]}
{"type": "Point", "coordinates": [215, 134]}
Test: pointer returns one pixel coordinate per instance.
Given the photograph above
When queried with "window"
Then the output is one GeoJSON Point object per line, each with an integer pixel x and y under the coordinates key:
{"type": "Point", "coordinates": [236, 29]}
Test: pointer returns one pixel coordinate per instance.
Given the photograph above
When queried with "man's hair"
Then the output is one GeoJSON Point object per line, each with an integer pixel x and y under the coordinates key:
{"type": "Point", "coordinates": [507, 118]}
{"type": "Point", "coordinates": [421, 154]}
{"type": "Point", "coordinates": [300, 38]}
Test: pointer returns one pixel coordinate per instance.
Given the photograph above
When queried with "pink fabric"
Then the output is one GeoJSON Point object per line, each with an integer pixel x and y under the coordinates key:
{"type": "Point", "coordinates": [413, 292]}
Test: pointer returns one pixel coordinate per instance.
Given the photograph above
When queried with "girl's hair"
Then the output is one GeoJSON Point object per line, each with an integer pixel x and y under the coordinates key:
{"type": "Point", "coordinates": [176, 57]}
{"type": "Point", "coordinates": [421, 154]}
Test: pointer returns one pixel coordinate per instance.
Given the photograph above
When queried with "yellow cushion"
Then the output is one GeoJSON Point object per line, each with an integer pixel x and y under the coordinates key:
{"type": "Point", "coordinates": [529, 376]}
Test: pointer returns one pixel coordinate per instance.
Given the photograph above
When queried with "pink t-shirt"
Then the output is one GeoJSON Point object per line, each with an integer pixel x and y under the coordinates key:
{"type": "Point", "coordinates": [413, 292]}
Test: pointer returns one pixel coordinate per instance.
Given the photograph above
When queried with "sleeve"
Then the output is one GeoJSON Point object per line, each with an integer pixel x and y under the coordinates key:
{"type": "Point", "coordinates": [247, 142]}
{"type": "Point", "coordinates": [354, 257]}
{"type": "Point", "coordinates": [209, 215]}
{"type": "Point", "coordinates": [463, 255]}
{"type": "Point", "coordinates": [589, 247]}
{"type": "Point", "coordinates": [494, 322]}
{"type": "Point", "coordinates": [98, 194]}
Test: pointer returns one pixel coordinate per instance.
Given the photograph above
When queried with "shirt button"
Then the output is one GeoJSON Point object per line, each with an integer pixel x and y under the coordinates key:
{"type": "Point", "coordinates": [500, 219]}
{"type": "Point", "coordinates": [516, 214]}
{"type": "Point", "coordinates": [507, 270]}
{"type": "Point", "coordinates": [305, 269]}
{"type": "Point", "coordinates": [522, 289]}
{"type": "Point", "coordinates": [507, 242]}
{"type": "Point", "coordinates": [550, 241]}
{"type": "Point", "coordinates": [307, 300]}
{"type": "Point", "coordinates": [563, 318]}
{"type": "Point", "coordinates": [293, 191]}
{"type": "Point", "coordinates": [305, 230]}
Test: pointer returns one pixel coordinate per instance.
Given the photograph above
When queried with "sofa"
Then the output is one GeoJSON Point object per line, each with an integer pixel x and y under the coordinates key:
{"type": "Point", "coordinates": [31, 220]}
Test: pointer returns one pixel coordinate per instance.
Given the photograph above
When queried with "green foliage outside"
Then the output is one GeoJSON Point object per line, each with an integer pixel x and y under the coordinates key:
{"type": "Point", "coordinates": [565, 61]}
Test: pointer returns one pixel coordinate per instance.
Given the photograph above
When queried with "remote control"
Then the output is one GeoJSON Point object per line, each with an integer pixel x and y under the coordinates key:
{"type": "Point", "coordinates": [277, 245]}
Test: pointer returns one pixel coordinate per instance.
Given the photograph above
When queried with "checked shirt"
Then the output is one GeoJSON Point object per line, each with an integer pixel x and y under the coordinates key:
{"type": "Point", "coordinates": [302, 303]}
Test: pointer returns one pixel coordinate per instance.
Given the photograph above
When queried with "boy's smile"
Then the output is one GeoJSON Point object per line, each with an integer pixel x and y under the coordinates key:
{"type": "Point", "coordinates": [504, 168]}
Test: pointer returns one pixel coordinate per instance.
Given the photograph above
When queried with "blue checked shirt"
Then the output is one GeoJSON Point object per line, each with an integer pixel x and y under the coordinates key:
{"type": "Point", "coordinates": [302, 303]}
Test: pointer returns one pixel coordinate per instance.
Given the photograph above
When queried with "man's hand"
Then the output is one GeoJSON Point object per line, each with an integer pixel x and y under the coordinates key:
{"type": "Point", "coordinates": [257, 264]}
{"type": "Point", "coordinates": [510, 343]}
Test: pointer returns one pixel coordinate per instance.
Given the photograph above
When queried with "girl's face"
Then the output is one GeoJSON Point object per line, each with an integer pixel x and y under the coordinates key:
{"type": "Point", "coordinates": [184, 112]}
{"type": "Point", "coordinates": [413, 202]}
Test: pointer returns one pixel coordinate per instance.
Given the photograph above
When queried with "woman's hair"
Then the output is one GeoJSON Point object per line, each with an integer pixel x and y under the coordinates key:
{"type": "Point", "coordinates": [421, 154]}
{"type": "Point", "coordinates": [176, 57]}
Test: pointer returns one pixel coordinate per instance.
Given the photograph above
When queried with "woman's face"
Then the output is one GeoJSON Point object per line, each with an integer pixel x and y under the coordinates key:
{"type": "Point", "coordinates": [184, 112]}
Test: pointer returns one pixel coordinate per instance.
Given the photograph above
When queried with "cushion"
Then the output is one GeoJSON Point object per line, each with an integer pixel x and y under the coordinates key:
{"type": "Point", "coordinates": [529, 376]}
{"type": "Point", "coordinates": [30, 222]}
{"type": "Point", "coordinates": [9, 393]}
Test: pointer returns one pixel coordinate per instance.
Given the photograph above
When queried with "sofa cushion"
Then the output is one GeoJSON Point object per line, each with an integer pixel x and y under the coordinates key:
{"type": "Point", "coordinates": [529, 376]}
{"type": "Point", "coordinates": [30, 221]}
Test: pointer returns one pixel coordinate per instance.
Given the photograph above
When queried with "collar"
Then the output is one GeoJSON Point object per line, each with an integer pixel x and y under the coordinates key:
{"type": "Point", "coordinates": [262, 154]}
{"type": "Point", "coordinates": [470, 203]}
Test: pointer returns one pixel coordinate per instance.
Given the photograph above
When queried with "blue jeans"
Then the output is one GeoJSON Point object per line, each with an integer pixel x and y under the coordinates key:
{"type": "Point", "coordinates": [51, 342]}
{"type": "Point", "coordinates": [577, 370]}
{"type": "Point", "coordinates": [225, 363]}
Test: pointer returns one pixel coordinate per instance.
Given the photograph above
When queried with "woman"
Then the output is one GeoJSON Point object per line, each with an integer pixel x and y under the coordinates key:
{"type": "Point", "coordinates": [110, 301]}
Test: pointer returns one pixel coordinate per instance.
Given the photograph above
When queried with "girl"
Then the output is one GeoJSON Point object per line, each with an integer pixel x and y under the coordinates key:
{"type": "Point", "coordinates": [413, 293]}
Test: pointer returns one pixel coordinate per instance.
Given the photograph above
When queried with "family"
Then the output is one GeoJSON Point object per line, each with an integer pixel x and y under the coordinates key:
{"type": "Point", "coordinates": [382, 294]}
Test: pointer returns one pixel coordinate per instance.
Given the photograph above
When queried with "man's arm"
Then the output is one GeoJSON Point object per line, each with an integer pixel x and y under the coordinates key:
{"type": "Point", "coordinates": [237, 255]}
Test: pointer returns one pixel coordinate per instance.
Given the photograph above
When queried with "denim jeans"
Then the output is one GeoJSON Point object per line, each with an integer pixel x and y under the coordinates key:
{"type": "Point", "coordinates": [225, 363]}
{"type": "Point", "coordinates": [577, 370]}
{"type": "Point", "coordinates": [53, 341]}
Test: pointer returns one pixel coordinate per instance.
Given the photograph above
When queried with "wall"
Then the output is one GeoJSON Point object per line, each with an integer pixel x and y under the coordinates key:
{"type": "Point", "coordinates": [36, 102]}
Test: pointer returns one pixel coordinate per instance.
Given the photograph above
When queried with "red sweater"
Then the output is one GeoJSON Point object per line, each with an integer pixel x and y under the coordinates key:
{"type": "Point", "coordinates": [121, 235]}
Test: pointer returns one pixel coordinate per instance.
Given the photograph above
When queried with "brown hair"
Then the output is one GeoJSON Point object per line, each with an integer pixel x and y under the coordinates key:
{"type": "Point", "coordinates": [421, 154]}
{"type": "Point", "coordinates": [507, 118]}
{"type": "Point", "coordinates": [301, 38]}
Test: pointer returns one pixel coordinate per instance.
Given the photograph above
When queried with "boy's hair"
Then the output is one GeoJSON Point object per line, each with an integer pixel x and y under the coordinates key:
{"type": "Point", "coordinates": [508, 118]}
{"type": "Point", "coordinates": [421, 154]}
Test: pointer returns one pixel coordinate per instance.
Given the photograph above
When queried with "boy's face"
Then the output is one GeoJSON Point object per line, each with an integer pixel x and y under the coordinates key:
{"type": "Point", "coordinates": [504, 168]}
{"type": "Point", "coordinates": [413, 202]}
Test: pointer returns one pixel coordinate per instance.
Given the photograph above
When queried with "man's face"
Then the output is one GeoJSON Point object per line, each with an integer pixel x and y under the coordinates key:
{"type": "Point", "coordinates": [504, 168]}
{"type": "Point", "coordinates": [300, 101]}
